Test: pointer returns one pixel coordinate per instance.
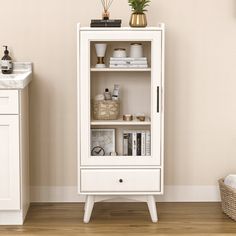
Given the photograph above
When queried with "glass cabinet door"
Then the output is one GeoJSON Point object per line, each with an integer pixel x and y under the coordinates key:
{"type": "Point", "coordinates": [107, 134]}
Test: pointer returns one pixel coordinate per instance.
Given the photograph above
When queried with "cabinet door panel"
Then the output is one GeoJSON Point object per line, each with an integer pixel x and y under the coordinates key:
{"type": "Point", "coordinates": [156, 97]}
{"type": "Point", "coordinates": [9, 163]}
{"type": "Point", "coordinates": [84, 100]}
{"type": "Point", "coordinates": [9, 102]}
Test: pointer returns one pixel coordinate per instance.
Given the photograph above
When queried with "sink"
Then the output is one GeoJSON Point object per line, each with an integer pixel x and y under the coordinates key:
{"type": "Point", "coordinates": [19, 79]}
{"type": "Point", "coordinates": [15, 75]}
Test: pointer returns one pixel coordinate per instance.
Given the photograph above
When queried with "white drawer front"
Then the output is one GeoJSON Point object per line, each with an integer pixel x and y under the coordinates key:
{"type": "Point", "coordinates": [128, 180]}
{"type": "Point", "coordinates": [9, 102]}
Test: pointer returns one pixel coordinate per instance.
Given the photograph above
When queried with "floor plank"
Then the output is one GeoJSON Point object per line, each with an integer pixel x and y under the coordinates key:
{"type": "Point", "coordinates": [124, 219]}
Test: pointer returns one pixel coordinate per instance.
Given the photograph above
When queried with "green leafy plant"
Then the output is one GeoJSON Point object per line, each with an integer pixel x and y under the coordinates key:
{"type": "Point", "coordinates": [139, 6]}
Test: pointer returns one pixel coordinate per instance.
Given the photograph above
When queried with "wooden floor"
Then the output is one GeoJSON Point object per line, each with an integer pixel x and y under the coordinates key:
{"type": "Point", "coordinates": [124, 219]}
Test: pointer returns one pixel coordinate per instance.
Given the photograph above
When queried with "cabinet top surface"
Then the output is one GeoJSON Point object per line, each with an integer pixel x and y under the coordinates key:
{"type": "Point", "coordinates": [158, 28]}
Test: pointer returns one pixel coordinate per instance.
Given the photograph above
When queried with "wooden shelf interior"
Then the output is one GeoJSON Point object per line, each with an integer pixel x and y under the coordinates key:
{"type": "Point", "coordinates": [111, 45]}
{"type": "Point", "coordinates": [135, 92]}
{"type": "Point", "coordinates": [119, 130]}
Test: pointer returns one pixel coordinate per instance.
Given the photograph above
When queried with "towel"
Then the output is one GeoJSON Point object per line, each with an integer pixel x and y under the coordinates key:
{"type": "Point", "coordinates": [230, 180]}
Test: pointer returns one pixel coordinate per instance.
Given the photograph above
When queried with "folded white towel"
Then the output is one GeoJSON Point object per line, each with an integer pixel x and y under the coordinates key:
{"type": "Point", "coordinates": [230, 180]}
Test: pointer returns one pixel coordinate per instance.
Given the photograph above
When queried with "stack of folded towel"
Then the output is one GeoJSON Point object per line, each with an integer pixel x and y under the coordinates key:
{"type": "Point", "coordinates": [128, 62]}
{"type": "Point", "coordinates": [230, 180]}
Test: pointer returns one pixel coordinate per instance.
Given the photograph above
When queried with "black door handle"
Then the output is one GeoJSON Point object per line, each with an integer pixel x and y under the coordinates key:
{"type": "Point", "coordinates": [158, 99]}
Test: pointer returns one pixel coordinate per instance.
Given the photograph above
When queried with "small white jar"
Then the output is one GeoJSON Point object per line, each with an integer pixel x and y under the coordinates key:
{"type": "Point", "coordinates": [136, 50]}
{"type": "Point", "coordinates": [119, 53]}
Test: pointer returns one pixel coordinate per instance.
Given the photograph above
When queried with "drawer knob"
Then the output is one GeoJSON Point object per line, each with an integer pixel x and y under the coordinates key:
{"type": "Point", "coordinates": [121, 180]}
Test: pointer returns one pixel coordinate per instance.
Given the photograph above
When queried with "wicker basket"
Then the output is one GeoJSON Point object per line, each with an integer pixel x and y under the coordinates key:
{"type": "Point", "coordinates": [228, 199]}
{"type": "Point", "coordinates": [106, 110]}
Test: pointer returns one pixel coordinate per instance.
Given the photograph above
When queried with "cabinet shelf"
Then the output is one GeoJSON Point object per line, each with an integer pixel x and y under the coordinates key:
{"type": "Point", "coordinates": [120, 122]}
{"type": "Point", "coordinates": [120, 157]}
{"type": "Point", "coordinates": [93, 69]}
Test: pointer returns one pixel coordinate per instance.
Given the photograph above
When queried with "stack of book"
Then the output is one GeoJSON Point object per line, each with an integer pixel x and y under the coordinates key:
{"type": "Point", "coordinates": [105, 23]}
{"type": "Point", "coordinates": [137, 143]}
{"type": "Point", "coordinates": [128, 62]}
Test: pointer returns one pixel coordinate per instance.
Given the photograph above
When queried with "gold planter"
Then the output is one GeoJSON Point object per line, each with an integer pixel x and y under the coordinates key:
{"type": "Point", "coordinates": [138, 20]}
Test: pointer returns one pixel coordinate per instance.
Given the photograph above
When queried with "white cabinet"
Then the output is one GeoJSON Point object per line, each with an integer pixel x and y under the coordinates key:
{"type": "Point", "coordinates": [9, 167]}
{"type": "Point", "coordinates": [14, 156]}
{"type": "Point", "coordinates": [140, 176]}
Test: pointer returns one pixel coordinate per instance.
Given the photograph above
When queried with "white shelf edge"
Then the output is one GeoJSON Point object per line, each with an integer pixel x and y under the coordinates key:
{"type": "Point", "coordinates": [121, 157]}
{"type": "Point", "coordinates": [120, 69]}
{"type": "Point", "coordinates": [120, 122]}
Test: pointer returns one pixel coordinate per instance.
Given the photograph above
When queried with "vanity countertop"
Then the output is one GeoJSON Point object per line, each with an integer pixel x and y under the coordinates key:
{"type": "Point", "coordinates": [19, 79]}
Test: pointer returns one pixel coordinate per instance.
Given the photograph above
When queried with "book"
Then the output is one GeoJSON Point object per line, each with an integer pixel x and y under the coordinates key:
{"type": "Point", "coordinates": [134, 152]}
{"type": "Point", "coordinates": [104, 25]}
{"type": "Point", "coordinates": [119, 66]}
{"type": "Point", "coordinates": [125, 144]}
{"type": "Point", "coordinates": [117, 21]}
{"type": "Point", "coordinates": [138, 62]}
{"type": "Point", "coordinates": [148, 143]}
{"type": "Point", "coordinates": [128, 59]}
{"type": "Point", "coordinates": [128, 66]}
{"type": "Point", "coordinates": [116, 62]}
{"type": "Point", "coordinates": [143, 143]}
{"type": "Point", "coordinates": [137, 66]}
{"type": "Point", "coordinates": [130, 144]}
{"type": "Point", "coordinates": [136, 143]}
{"type": "Point", "coordinates": [139, 143]}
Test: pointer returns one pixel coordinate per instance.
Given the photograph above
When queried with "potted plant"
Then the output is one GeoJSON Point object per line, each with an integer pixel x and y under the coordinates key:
{"type": "Point", "coordinates": [138, 17]}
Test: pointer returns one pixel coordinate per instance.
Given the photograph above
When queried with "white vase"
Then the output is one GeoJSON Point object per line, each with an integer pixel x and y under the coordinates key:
{"type": "Point", "coordinates": [136, 50]}
{"type": "Point", "coordinates": [101, 52]}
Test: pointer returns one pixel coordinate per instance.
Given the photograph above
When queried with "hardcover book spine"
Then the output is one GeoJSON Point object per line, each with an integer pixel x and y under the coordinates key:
{"type": "Point", "coordinates": [125, 144]}
{"type": "Point", "coordinates": [143, 146]}
{"type": "Point", "coordinates": [148, 143]}
{"type": "Point", "coordinates": [134, 144]}
{"type": "Point", "coordinates": [104, 25]}
{"type": "Point", "coordinates": [106, 21]}
{"type": "Point", "coordinates": [130, 144]}
{"type": "Point", "coordinates": [139, 137]}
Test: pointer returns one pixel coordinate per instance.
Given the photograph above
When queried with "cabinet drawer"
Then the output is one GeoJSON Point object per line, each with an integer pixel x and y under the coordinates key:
{"type": "Point", "coordinates": [128, 180]}
{"type": "Point", "coordinates": [9, 102]}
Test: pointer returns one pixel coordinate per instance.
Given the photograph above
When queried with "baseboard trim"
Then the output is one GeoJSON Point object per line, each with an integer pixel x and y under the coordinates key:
{"type": "Point", "coordinates": [11, 218]}
{"type": "Point", "coordinates": [208, 193]}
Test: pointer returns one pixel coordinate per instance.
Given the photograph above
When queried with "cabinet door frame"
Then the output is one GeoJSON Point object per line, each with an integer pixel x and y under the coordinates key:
{"type": "Point", "coordinates": [84, 39]}
{"type": "Point", "coordinates": [12, 202]}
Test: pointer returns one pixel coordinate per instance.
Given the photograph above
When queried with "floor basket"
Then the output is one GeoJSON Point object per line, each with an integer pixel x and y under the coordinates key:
{"type": "Point", "coordinates": [228, 199]}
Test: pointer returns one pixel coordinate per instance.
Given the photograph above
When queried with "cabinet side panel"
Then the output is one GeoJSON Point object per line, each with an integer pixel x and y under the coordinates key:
{"type": "Point", "coordinates": [78, 108]}
{"type": "Point", "coordinates": [163, 106]}
{"type": "Point", "coordinates": [84, 97]}
{"type": "Point", "coordinates": [24, 150]}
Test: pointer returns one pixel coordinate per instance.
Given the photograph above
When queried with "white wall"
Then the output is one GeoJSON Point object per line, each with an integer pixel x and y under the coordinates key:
{"type": "Point", "coordinates": [200, 89]}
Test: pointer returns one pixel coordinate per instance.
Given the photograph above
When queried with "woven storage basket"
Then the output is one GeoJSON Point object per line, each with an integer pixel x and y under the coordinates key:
{"type": "Point", "coordinates": [228, 199]}
{"type": "Point", "coordinates": [106, 110]}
